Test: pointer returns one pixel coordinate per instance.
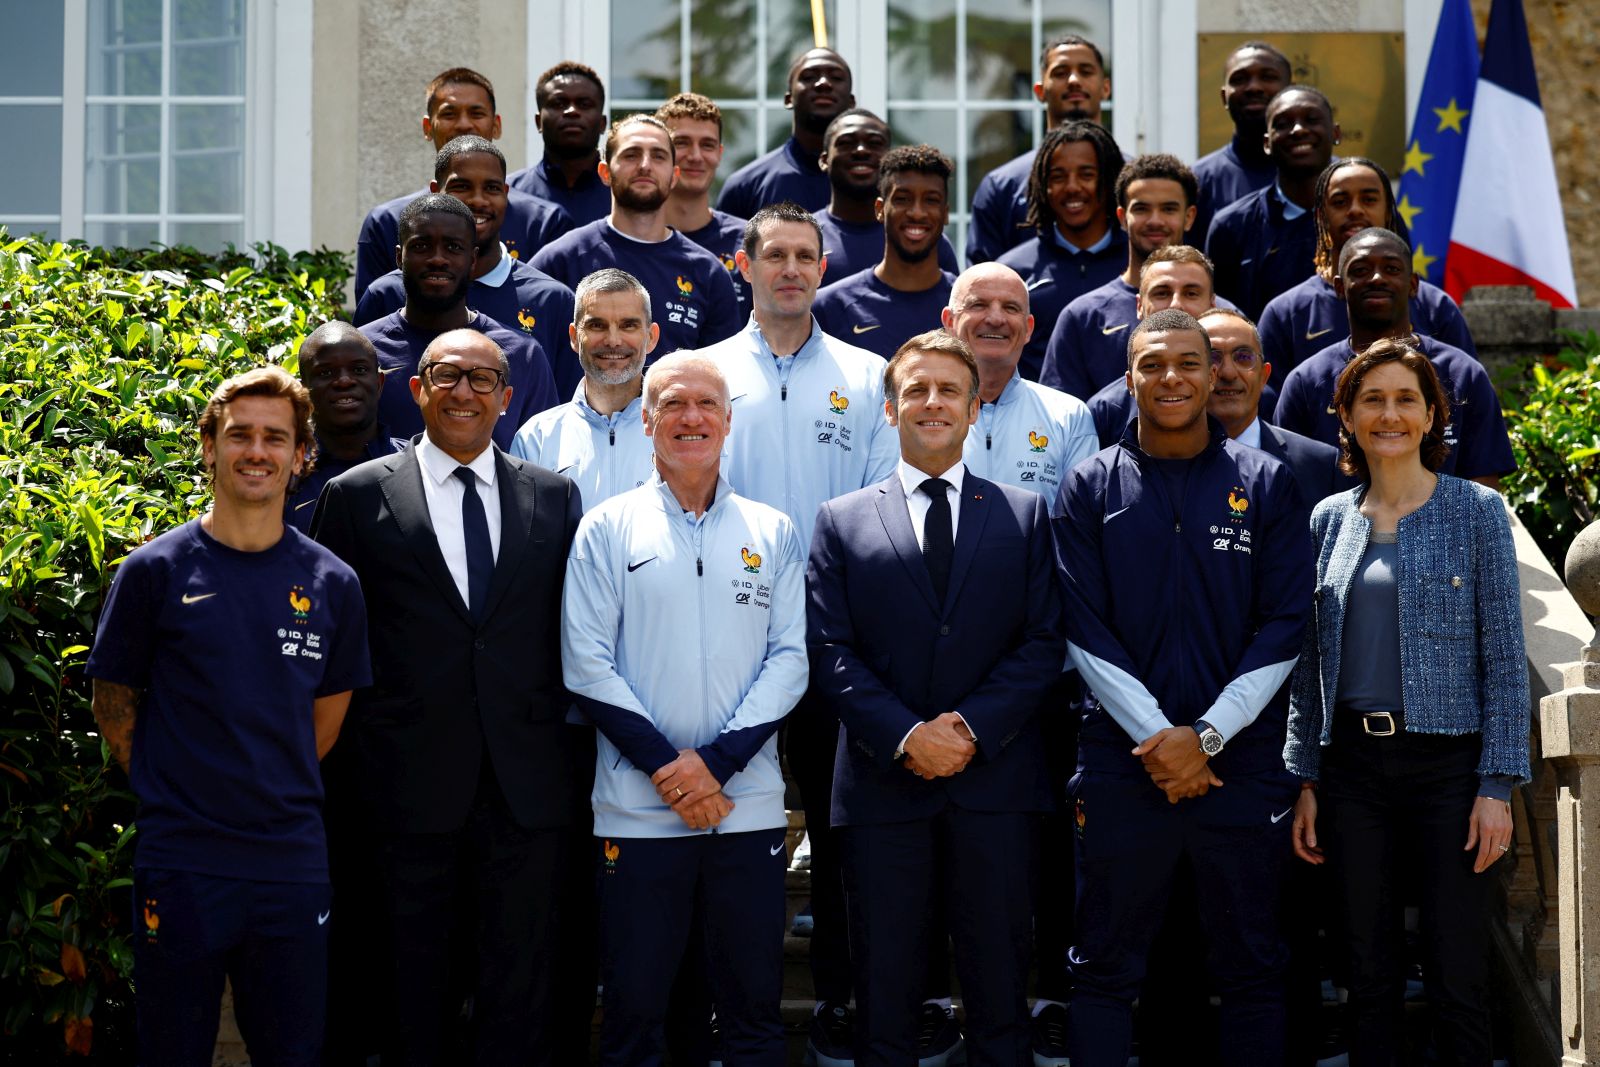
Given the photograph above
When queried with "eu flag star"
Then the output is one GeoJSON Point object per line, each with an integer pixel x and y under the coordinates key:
{"type": "Point", "coordinates": [1415, 158]}
{"type": "Point", "coordinates": [1450, 117]}
{"type": "Point", "coordinates": [1421, 261]}
{"type": "Point", "coordinates": [1408, 211]}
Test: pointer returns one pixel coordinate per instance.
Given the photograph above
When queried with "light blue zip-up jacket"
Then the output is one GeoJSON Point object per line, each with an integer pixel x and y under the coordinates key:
{"type": "Point", "coordinates": [605, 454]}
{"type": "Point", "coordinates": [681, 633]}
{"type": "Point", "coordinates": [807, 427]}
{"type": "Point", "coordinates": [1030, 437]}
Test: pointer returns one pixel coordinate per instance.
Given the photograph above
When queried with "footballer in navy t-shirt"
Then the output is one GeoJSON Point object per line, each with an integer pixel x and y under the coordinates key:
{"type": "Point", "coordinates": [869, 314]}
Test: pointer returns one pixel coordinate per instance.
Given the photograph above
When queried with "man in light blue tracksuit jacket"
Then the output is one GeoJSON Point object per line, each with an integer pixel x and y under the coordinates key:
{"type": "Point", "coordinates": [684, 640]}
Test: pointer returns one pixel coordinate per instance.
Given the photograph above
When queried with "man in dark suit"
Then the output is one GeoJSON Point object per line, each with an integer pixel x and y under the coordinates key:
{"type": "Point", "coordinates": [935, 632]}
{"type": "Point", "coordinates": [1242, 373]}
{"type": "Point", "coordinates": [457, 746]}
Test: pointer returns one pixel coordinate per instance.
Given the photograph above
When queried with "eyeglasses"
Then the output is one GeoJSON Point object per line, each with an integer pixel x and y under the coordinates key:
{"type": "Point", "coordinates": [446, 375]}
{"type": "Point", "coordinates": [1243, 358]}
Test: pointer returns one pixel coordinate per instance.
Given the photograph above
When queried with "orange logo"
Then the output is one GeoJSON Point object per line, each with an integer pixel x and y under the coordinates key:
{"type": "Point", "coordinates": [1078, 820]}
{"type": "Point", "coordinates": [728, 264]}
{"type": "Point", "coordinates": [1037, 441]}
{"type": "Point", "coordinates": [838, 403]}
{"type": "Point", "coordinates": [1237, 502]}
{"type": "Point", "coordinates": [300, 603]}
{"type": "Point", "coordinates": [685, 287]}
{"type": "Point", "coordinates": [151, 920]}
{"type": "Point", "coordinates": [752, 562]}
{"type": "Point", "coordinates": [525, 317]}
{"type": "Point", "coordinates": [611, 853]}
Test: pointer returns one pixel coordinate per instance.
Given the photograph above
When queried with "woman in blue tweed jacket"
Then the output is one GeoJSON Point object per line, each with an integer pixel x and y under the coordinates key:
{"type": "Point", "coordinates": [1408, 720]}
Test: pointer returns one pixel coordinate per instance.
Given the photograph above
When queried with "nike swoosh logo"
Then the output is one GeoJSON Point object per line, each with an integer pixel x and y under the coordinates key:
{"type": "Point", "coordinates": [1269, 252]}
{"type": "Point", "coordinates": [635, 566]}
{"type": "Point", "coordinates": [307, 504]}
{"type": "Point", "coordinates": [323, 918]}
{"type": "Point", "coordinates": [775, 849]}
{"type": "Point", "coordinates": [187, 599]}
{"type": "Point", "coordinates": [1313, 336]}
{"type": "Point", "coordinates": [864, 329]}
{"type": "Point", "coordinates": [1034, 285]}
{"type": "Point", "coordinates": [741, 396]}
{"type": "Point", "coordinates": [565, 469]}
{"type": "Point", "coordinates": [1109, 330]}
{"type": "Point", "coordinates": [1113, 515]}
{"type": "Point", "coordinates": [1278, 817]}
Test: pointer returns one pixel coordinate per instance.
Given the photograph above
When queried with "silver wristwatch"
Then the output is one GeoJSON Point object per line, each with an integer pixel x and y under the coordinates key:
{"type": "Point", "coordinates": [1210, 740]}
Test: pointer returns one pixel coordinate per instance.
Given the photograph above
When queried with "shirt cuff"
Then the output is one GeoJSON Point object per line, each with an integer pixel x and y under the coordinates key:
{"type": "Point", "coordinates": [1496, 786]}
{"type": "Point", "coordinates": [900, 750]}
{"type": "Point", "coordinates": [970, 731]}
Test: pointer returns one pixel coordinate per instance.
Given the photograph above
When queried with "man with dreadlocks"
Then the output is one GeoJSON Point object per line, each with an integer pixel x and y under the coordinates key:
{"type": "Point", "coordinates": [1072, 210]}
{"type": "Point", "coordinates": [1352, 194]}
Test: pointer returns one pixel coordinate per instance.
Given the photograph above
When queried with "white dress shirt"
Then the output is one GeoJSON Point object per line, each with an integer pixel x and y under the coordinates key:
{"type": "Point", "coordinates": [1251, 435]}
{"type": "Point", "coordinates": [443, 492]}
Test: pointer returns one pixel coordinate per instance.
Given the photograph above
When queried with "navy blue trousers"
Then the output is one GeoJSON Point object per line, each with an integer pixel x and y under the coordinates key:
{"type": "Point", "coordinates": [1129, 843]}
{"type": "Point", "coordinates": [976, 866]}
{"type": "Point", "coordinates": [650, 892]}
{"type": "Point", "coordinates": [191, 931]}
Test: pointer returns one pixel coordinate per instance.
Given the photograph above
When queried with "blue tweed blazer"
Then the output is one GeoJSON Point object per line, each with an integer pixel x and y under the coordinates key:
{"type": "Point", "coordinates": [1463, 668]}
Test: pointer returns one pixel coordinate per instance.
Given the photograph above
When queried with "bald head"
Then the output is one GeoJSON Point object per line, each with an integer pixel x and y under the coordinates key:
{"type": "Point", "coordinates": [340, 369]}
{"type": "Point", "coordinates": [989, 311]}
{"type": "Point", "coordinates": [1373, 239]}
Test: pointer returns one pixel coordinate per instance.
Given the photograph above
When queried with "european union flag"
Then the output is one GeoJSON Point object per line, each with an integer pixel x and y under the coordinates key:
{"type": "Point", "coordinates": [1431, 176]}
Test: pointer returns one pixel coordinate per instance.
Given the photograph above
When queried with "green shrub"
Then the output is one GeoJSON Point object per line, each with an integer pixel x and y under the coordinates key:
{"type": "Point", "coordinates": [1554, 423]}
{"type": "Point", "coordinates": [106, 360]}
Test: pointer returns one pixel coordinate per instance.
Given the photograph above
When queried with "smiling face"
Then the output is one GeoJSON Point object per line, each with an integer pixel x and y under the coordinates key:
{"type": "Point", "coordinates": [1241, 372]}
{"type": "Point", "coordinates": [697, 143]}
{"type": "Point", "coordinates": [1300, 133]}
{"type": "Point", "coordinates": [1170, 377]}
{"type": "Point", "coordinates": [785, 272]}
{"type": "Point", "coordinates": [1169, 284]}
{"type": "Point", "coordinates": [571, 116]}
{"type": "Point", "coordinates": [459, 421]}
{"type": "Point", "coordinates": [989, 310]}
{"type": "Point", "coordinates": [1355, 200]}
{"type": "Point", "coordinates": [478, 180]}
{"type": "Point", "coordinates": [640, 171]}
{"type": "Point", "coordinates": [460, 108]}
{"type": "Point", "coordinates": [1157, 214]}
{"type": "Point", "coordinates": [1072, 188]}
{"type": "Point", "coordinates": [343, 379]}
{"type": "Point", "coordinates": [1252, 78]}
{"type": "Point", "coordinates": [935, 403]}
{"type": "Point", "coordinates": [1072, 84]}
{"type": "Point", "coordinates": [914, 214]}
{"type": "Point", "coordinates": [1376, 282]}
{"type": "Point", "coordinates": [436, 258]}
{"type": "Point", "coordinates": [613, 336]}
{"type": "Point", "coordinates": [688, 422]}
{"type": "Point", "coordinates": [852, 157]}
{"type": "Point", "coordinates": [819, 88]}
{"type": "Point", "coordinates": [1390, 415]}
{"type": "Point", "coordinates": [253, 453]}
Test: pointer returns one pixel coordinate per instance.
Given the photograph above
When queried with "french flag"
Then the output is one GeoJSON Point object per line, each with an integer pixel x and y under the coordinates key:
{"type": "Point", "coordinates": [1508, 227]}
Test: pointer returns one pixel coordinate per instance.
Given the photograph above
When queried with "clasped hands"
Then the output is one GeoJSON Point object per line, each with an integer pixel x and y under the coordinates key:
{"type": "Point", "coordinates": [692, 791]}
{"type": "Point", "coordinates": [940, 747]}
{"type": "Point", "coordinates": [1173, 759]}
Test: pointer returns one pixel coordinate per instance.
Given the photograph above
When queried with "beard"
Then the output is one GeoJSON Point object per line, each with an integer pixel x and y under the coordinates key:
{"type": "Point", "coordinates": [433, 305]}
{"type": "Point", "coordinates": [633, 200]}
{"type": "Point", "coordinates": [604, 376]}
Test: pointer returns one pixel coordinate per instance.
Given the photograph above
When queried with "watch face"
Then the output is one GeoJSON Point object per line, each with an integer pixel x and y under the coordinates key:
{"type": "Point", "coordinates": [1211, 743]}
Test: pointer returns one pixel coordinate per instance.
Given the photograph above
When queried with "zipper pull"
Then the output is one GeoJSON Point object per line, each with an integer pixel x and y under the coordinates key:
{"type": "Point", "coordinates": [699, 567]}
{"type": "Point", "coordinates": [783, 391]}
{"type": "Point", "coordinates": [1177, 527]}
{"type": "Point", "coordinates": [613, 435]}
{"type": "Point", "coordinates": [988, 442]}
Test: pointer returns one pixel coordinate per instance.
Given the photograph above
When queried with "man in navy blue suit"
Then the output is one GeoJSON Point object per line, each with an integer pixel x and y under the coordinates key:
{"type": "Point", "coordinates": [935, 632]}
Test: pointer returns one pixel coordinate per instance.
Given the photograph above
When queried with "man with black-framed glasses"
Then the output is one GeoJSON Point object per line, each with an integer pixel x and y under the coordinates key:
{"type": "Point", "coordinates": [436, 253]}
{"type": "Point", "coordinates": [456, 754]}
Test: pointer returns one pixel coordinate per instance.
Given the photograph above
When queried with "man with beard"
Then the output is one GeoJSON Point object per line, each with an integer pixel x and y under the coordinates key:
{"type": "Point", "coordinates": [1077, 245]}
{"type": "Point", "coordinates": [695, 122]}
{"type": "Point", "coordinates": [692, 298]}
{"type": "Point", "coordinates": [436, 253]}
{"type": "Point", "coordinates": [1072, 85]}
{"type": "Point", "coordinates": [514, 294]}
{"type": "Point", "coordinates": [1254, 74]}
{"type": "Point", "coordinates": [1088, 347]}
{"type": "Point", "coordinates": [339, 368]}
{"type": "Point", "coordinates": [819, 88]}
{"type": "Point", "coordinates": [1265, 243]}
{"type": "Point", "coordinates": [571, 116]}
{"type": "Point", "coordinates": [460, 102]}
{"type": "Point", "coordinates": [852, 235]}
{"type": "Point", "coordinates": [905, 293]}
{"type": "Point", "coordinates": [1377, 284]}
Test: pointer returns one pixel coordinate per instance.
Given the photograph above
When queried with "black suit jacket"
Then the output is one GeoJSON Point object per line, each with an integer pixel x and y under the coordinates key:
{"type": "Point", "coordinates": [449, 692]}
{"type": "Point", "coordinates": [1315, 463]}
{"type": "Point", "coordinates": [887, 655]}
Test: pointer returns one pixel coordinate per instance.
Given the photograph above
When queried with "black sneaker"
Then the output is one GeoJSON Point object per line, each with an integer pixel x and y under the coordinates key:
{"type": "Point", "coordinates": [939, 1041]}
{"type": "Point", "coordinates": [1050, 1036]}
{"type": "Point", "coordinates": [832, 1038]}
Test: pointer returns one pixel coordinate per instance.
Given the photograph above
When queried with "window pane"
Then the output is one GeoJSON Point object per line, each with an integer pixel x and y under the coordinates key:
{"type": "Point", "coordinates": [922, 44]}
{"type": "Point", "coordinates": [49, 231]}
{"type": "Point", "coordinates": [208, 47]}
{"type": "Point", "coordinates": [207, 159]}
{"type": "Point", "coordinates": [1000, 60]}
{"type": "Point", "coordinates": [206, 236]}
{"type": "Point", "coordinates": [738, 144]}
{"type": "Point", "coordinates": [35, 133]}
{"type": "Point", "coordinates": [993, 138]}
{"type": "Point", "coordinates": [124, 47]}
{"type": "Point", "coordinates": [790, 33]}
{"type": "Point", "coordinates": [722, 55]}
{"type": "Point", "coordinates": [644, 50]}
{"type": "Point", "coordinates": [32, 65]}
{"type": "Point", "coordinates": [121, 234]}
{"type": "Point", "coordinates": [122, 147]}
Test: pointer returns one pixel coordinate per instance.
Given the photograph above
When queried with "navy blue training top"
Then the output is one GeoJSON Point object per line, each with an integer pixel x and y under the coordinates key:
{"type": "Point", "coordinates": [785, 173]}
{"type": "Point", "coordinates": [528, 226]}
{"type": "Point", "coordinates": [1224, 177]}
{"type": "Point", "coordinates": [1476, 432]}
{"type": "Point", "coordinates": [1000, 210]}
{"type": "Point", "coordinates": [863, 311]}
{"type": "Point", "coordinates": [1055, 277]}
{"type": "Point", "coordinates": [855, 246]}
{"type": "Point", "coordinates": [400, 346]}
{"type": "Point", "coordinates": [691, 295]}
{"type": "Point", "coordinates": [301, 503]}
{"type": "Point", "coordinates": [585, 200]}
{"type": "Point", "coordinates": [722, 237]}
{"type": "Point", "coordinates": [1259, 252]}
{"type": "Point", "coordinates": [528, 301]}
{"type": "Point", "coordinates": [230, 649]}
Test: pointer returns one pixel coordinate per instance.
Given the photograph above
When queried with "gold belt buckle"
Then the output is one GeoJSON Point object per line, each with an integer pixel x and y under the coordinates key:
{"type": "Point", "coordinates": [1378, 723]}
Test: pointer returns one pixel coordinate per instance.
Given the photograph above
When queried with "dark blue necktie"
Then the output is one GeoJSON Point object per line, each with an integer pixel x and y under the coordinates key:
{"type": "Point", "coordinates": [938, 539]}
{"type": "Point", "coordinates": [480, 550]}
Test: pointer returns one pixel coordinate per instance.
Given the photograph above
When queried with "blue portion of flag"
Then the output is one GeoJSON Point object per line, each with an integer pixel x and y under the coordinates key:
{"type": "Point", "coordinates": [1507, 55]}
{"type": "Point", "coordinates": [1431, 176]}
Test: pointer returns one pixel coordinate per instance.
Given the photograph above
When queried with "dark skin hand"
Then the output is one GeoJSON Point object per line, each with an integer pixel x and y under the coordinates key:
{"type": "Point", "coordinates": [940, 747]}
{"type": "Point", "coordinates": [116, 707]}
{"type": "Point", "coordinates": [1175, 763]}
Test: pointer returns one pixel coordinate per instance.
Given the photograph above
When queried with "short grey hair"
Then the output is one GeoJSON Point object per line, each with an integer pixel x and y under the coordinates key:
{"type": "Point", "coordinates": [656, 374]}
{"type": "Point", "coordinates": [610, 280]}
